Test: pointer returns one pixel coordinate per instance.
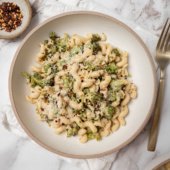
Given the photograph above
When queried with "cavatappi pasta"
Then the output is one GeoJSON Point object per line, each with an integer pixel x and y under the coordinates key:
{"type": "Point", "coordinates": [81, 85]}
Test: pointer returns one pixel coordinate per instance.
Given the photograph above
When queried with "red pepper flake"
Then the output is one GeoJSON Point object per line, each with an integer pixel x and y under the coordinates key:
{"type": "Point", "coordinates": [10, 16]}
{"type": "Point", "coordinates": [64, 67]}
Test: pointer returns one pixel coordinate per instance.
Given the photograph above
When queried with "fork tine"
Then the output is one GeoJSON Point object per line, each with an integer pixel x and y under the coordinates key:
{"type": "Point", "coordinates": [166, 37]}
{"type": "Point", "coordinates": [161, 37]}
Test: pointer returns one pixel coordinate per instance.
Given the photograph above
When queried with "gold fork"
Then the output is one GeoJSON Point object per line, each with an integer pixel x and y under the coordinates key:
{"type": "Point", "coordinates": [162, 58]}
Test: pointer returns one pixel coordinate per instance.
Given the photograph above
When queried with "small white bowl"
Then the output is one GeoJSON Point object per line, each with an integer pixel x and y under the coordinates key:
{"type": "Point", "coordinates": [26, 10]}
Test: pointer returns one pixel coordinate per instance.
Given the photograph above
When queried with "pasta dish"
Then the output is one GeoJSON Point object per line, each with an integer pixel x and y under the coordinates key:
{"type": "Point", "coordinates": [81, 85]}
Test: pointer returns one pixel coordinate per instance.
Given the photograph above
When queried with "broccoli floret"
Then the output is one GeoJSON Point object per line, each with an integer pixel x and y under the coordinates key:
{"type": "Point", "coordinates": [89, 66]}
{"type": "Point", "coordinates": [110, 109]}
{"type": "Point", "coordinates": [95, 97]}
{"type": "Point", "coordinates": [111, 68]}
{"type": "Point", "coordinates": [26, 75]}
{"type": "Point", "coordinates": [68, 81]}
{"type": "Point", "coordinates": [86, 90]}
{"type": "Point", "coordinates": [36, 80]}
{"type": "Point", "coordinates": [49, 82]}
{"type": "Point", "coordinates": [61, 44]}
{"type": "Point", "coordinates": [53, 68]}
{"type": "Point", "coordinates": [116, 51]}
{"type": "Point", "coordinates": [98, 137]}
{"type": "Point", "coordinates": [73, 131]}
{"type": "Point", "coordinates": [69, 132]}
{"type": "Point", "coordinates": [76, 50]}
{"type": "Point", "coordinates": [111, 96]}
{"type": "Point", "coordinates": [90, 136]}
{"type": "Point", "coordinates": [52, 35]}
{"type": "Point", "coordinates": [109, 112]}
{"type": "Point", "coordinates": [54, 49]}
{"type": "Point", "coordinates": [94, 45]}
{"type": "Point", "coordinates": [45, 42]}
{"type": "Point", "coordinates": [95, 38]}
{"type": "Point", "coordinates": [117, 84]}
{"type": "Point", "coordinates": [96, 48]}
{"type": "Point", "coordinates": [46, 67]}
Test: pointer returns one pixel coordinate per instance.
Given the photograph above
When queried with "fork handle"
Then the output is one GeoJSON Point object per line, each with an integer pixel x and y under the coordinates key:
{"type": "Point", "coordinates": [155, 124]}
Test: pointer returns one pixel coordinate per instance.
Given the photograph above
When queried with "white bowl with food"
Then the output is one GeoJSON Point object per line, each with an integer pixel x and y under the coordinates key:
{"type": "Point", "coordinates": [92, 80]}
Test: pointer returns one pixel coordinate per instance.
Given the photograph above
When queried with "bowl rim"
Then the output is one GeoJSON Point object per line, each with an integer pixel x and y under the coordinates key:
{"type": "Point", "coordinates": [86, 12]}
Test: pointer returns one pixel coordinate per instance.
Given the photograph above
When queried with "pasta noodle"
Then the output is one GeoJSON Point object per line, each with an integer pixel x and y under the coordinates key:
{"type": "Point", "coordinates": [81, 86]}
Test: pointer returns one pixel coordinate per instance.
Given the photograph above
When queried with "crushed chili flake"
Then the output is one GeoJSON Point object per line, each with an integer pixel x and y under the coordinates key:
{"type": "Point", "coordinates": [10, 16]}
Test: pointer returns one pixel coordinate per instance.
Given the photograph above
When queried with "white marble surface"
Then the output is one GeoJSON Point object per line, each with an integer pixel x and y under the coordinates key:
{"type": "Point", "coordinates": [147, 18]}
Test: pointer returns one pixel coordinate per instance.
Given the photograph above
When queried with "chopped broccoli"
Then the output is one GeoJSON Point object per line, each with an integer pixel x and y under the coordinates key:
{"type": "Point", "coordinates": [53, 68]}
{"type": "Point", "coordinates": [53, 49]}
{"type": "Point", "coordinates": [90, 136]}
{"type": "Point", "coordinates": [52, 35]}
{"type": "Point", "coordinates": [49, 82]}
{"type": "Point", "coordinates": [46, 67]}
{"type": "Point", "coordinates": [98, 137]}
{"type": "Point", "coordinates": [111, 68]}
{"type": "Point", "coordinates": [116, 51]}
{"type": "Point", "coordinates": [76, 50]}
{"type": "Point", "coordinates": [68, 81]}
{"type": "Point", "coordinates": [75, 131]}
{"type": "Point", "coordinates": [89, 66]}
{"type": "Point", "coordinates": [95, 38]}
{"type": "Point", "coordinates": [96, 48]}
{"type": "Point", "coordinates": [95, 97]}
{"type": "Point", "coordinates": [86, 90]}
{"type": "Point", "coordinates": [110, 109]}
{"type": "Point", "coordinates": [72, 132]}
{"type": "Point", "coordinates": [69, 132]}
{"type": "Point", "coordinates": [26, 75]}
{"type": "Point", "coordinates": [94, 45]}
{"type": "Point", "coordinates": [109, 112]}
{"type": "Point", "coordinates": [36, 80]}
{"type": "Point", "coordinates": [45, 41]}
{"type": "Point", "coordinates": [111, 96]}
{"type": "Point", "coordinates": [117, 84]}
{"type": "Point", "coordinates": [61, 44]}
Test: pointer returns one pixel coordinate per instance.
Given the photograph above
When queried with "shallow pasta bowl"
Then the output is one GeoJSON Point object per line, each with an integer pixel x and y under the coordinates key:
{"type": "Point", "coordinates": [141, 68]}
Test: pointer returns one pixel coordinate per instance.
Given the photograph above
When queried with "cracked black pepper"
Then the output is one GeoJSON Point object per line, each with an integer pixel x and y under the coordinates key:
{"type": "Point", "coordinates": [10, 16]}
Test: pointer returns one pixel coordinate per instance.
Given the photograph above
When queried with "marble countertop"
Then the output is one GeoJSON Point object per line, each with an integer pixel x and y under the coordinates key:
{"type": "Point", "coordinates": [18, 153]}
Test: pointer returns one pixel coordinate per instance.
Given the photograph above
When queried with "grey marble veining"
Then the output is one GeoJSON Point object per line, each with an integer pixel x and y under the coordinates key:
{"type": "Point", "coordinates": [147, 18]}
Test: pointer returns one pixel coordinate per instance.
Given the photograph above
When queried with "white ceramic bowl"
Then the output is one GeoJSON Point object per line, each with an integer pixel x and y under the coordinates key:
{"type": "Point", "coordinates": [140, 65]}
